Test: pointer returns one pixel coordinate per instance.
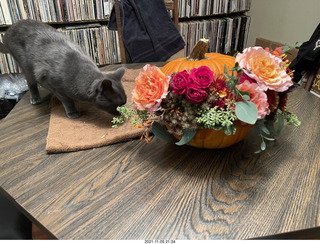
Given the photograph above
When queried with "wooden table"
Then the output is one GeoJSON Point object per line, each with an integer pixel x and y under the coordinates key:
{"type": "Point", "coordinates": [135, 190]}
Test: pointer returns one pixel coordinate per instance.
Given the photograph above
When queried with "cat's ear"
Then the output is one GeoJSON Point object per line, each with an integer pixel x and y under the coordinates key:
{"type": "Point", "coordinates": [100, 86]}
{"type": "Point", "coordinates": [106, 85]}
{"type": "Point", "coordinates": [119, 73]}
{"type": "Point", "coordinates": [106, 88]}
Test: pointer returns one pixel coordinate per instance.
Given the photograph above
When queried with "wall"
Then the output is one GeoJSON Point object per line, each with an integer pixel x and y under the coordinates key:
{"type": "Point", "coordinates": [284, 21]}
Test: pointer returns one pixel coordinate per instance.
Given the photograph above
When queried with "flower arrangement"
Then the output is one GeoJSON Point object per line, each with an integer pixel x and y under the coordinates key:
{"type": "Point", "coordinates": [253, 92]}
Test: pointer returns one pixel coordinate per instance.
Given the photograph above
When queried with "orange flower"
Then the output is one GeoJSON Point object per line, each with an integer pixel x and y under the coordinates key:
{"type": "Point", "coordinates": [266, 69]}
{"type": "Point", "coordinates": [151, 87]}
{"type": "Point", "coordinates": [277, 52]}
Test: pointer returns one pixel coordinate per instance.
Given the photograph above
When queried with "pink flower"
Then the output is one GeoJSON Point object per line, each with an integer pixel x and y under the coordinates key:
{"type": "Point", "coordinates": [265, 68]}
{"type": "Point", "coordinates": [257, 96]}
{"type": "Point", "coordinates": [202, 77]}
{"type": "Point", "coordinates": [180, 82]}
{"type": "Point", "coordinates": [151, 87]}
{"type": "Point", "coordinates": [195, 94]}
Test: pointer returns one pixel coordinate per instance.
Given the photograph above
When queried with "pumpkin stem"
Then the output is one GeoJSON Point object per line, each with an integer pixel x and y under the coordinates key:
{"type": "Point", "coordinates": [199, 50]}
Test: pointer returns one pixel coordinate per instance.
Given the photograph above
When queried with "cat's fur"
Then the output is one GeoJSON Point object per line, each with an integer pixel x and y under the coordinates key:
{"type": "Point", "coordinates": [49, 58]}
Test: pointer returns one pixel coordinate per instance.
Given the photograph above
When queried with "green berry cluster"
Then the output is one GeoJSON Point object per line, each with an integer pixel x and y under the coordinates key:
{"type": "Point", "coordinates": [291, 119]}
{"type": "Point", "coordinates": [137, 117]}
{"type": "Point", "coordinates": [213, 117]}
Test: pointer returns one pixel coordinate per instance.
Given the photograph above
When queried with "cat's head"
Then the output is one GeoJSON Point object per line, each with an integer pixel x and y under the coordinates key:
{"type": "Point", "coordinates": [109, 92]}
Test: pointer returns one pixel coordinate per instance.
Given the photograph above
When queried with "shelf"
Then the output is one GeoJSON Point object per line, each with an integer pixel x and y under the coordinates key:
{"type": "Point", "coordinates": [182, 19]}
{"type": "Point", "coordinates": [68, 23]}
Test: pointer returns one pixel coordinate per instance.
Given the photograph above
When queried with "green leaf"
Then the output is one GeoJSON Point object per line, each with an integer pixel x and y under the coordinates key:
{"type": "Point", "coordinates": [217, 127]}
{"type": "Point", "coordinates": [264, 129]}
{"type": "Point", "coordinates": [269, 138]}
{"type": "Point", "coordinates": [246, 97]}
{"type": "Point", "coordinates": [225, 69]}
{"type": "Point", "coordinates": [160, 131]}
{"type": "Point", "coordinates": [263, 146]}
{"type": "Point", "coordinates": [270, 126]}
{"type": "Point", "coordinates": [229, 130]}
{"type": "Point", "coordinates": [280, 122]}
{"type": "Point", "coordinates": [257, 152]}
{"type": "Point", "coordinates": [244, 93]}
{"type": "Point", "coordinates": [186, 137]}
{"type": "Point", "coordinates": [247, 112]}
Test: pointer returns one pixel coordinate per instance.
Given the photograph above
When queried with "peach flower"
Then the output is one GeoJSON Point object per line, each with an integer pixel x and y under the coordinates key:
{"type": "Point", "coordinates": [266, 69]}
{"type": "Point", "coordinates": [257, 96]}
{"type": "Point", "coordinates": [151, 87]}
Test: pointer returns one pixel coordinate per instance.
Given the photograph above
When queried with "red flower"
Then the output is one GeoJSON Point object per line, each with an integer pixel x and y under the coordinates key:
{"type": "Point", "coordinates": [219, 83]}
{"type": "Point", "coordinates": [283, 101]}
{"type": "Point", "coordinates": [180, 82]}
{"type": "Point", "coordinates": [195, 94]}
{"type": "Point", "coordinates": [202, 77]}
{"type": "Point", "coordinates": [273, 100]}
{"type": "Point", "coordinates": [245, 77]}
{"type": "Point", "coordinates": [220, 103]}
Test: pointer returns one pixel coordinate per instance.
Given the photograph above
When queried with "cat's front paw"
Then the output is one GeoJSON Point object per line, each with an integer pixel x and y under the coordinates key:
{"type": "Point", "coordinates": [73, 115]}
{"type": "Point", "coordinates": [35, 100]}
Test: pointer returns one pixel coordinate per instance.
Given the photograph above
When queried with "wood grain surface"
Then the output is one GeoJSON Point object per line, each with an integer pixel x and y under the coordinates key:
{"type": "Point", "coordinates": [135, 190]}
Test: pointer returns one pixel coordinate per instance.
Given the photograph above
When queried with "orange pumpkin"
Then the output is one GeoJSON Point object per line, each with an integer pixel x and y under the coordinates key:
{"type": "Point", "coordinates": [199, 57]}
{"type": "Point", "coordinates": [208, 138]}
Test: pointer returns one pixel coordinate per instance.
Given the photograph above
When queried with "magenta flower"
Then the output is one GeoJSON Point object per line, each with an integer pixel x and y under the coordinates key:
{"type": "Point", "coordinates": [180, 83]}
{"type": "Point", "coordinates": [195, 94]}
{"type": "Point", "coordinates": [202, 77]}
{"type": "Point", "coordinates": [245, 77]}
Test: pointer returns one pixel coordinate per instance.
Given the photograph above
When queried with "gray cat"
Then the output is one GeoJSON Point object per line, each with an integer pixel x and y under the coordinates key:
{"type": "Point", "coordinates": [47, 57]}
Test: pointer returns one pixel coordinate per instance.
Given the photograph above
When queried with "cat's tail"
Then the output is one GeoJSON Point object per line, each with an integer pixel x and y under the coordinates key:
{"type": "Point", "coordinates": [3, 48]}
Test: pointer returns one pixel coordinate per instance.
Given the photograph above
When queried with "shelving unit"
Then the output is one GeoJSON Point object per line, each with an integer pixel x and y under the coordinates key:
{"type": "Point", "coordinates": [83, 21]}
{"type": "Point", "coordinates": [223, 22]}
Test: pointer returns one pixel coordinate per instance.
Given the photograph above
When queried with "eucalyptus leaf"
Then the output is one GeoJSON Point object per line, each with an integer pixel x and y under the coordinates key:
{"type": "Point", "coordinates": [160, 131]}
{"type": "Point", "coordinates": [263, 146]}
{"type": "Point", "coordinates": [186, 137]}
{"type": "Point", "coordinates": [269, 138]}
{"type": "Point", "coordinates": [225, 69]}
{"type": "Point", "coordinates": [247, 112]}
{"type": "Point", "coordinates": [246, 97]}
{"type": "Point", "coordinates": [270, 126]}
{"type": "Point", "coordinates": [257, 152]}
{"type": "Point", "coordinates": [245, 93]}
{"type": "Point", "coordinates": [229, 130]}
{"type": "Point", "coordinates": [264, 129]}
{"type": "Point", "coordinates": [280, 122]}
{"type": "Point", "coordinates": [217, 127]}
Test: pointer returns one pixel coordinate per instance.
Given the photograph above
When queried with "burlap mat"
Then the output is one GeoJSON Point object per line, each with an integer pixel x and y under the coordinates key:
{"type": "Point", "coordinates": [92, 129]}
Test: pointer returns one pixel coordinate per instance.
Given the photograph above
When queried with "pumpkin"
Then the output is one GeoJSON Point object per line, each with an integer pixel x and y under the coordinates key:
{"type": "Point", "coordinates": [208, 138]}
{"type": "Point", "coordinates": [199, 57]}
